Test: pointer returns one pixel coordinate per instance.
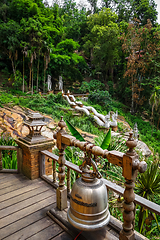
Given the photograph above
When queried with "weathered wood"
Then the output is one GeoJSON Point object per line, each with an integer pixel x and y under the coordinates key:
{"type": "Point", "coordinates": [21, 190]}
{"type": "Point", "coordinates": [24, 222]}
{"type": "Point", "coordinates": [63, 236]}
{"type": "Point", "coordinates": [115, 158]}
{"type": "Point", "coordinates": [11, 183]}
{"type": "Point", "coordinates": [10, 189]}
{"type": "Point", "coordinates": [9, 171]}
{"type": "Point", "coordinates": [61, 190]}
{"type": "Point", "coordinates": [32, 192]}
{"type": "Point", "coordinates": [8, 148]}
{"type": "Point", "coordinates": [33, 229]}
{"type": "Point", "coordinates": [42, 165]}
{"type": "Point", "coordinates": [27, 202]}
{"type": "Point", "coordinates": [54, 171]}
{"type": "Point", "coordinates": [61, 218]}
{"type": "Point", "coordinates": [47, 233]}
{"type": "Point", "coordinates": [25, 212]}
{"type": "Point", "coordinates": [8, 177]}
{"type": "Point", "coordinates": [153, 207]}
{"type": "Point", "coordinates": [1, 163]}
{"type": "Point", "coordinates": [112, 186]}
{"type": "Point", "coordinates": [127, 233]}
{"type": "Point", "coordinates": [68, 180]}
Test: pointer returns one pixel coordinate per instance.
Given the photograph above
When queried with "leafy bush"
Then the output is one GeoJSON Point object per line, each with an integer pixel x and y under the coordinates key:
{"type": "Point", "coordinates": [18, 80]}
{"type": "Point", "coordinates": [9, 157]}
{"type": "Point", "coordinates": [92, 86]}
{"type": "Point", "coordinates": [100, 97]}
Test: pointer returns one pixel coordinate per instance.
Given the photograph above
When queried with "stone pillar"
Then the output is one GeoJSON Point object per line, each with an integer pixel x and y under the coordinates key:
{"type": "Point", "coordinates": [30, 161]}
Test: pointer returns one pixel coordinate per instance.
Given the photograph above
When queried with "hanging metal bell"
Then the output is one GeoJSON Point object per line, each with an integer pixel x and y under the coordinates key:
{"type": "Point", "coordinates": [89, 201]}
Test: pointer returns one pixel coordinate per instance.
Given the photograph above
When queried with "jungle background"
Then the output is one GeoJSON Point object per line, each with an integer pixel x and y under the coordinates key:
{"type": "Point", "coordinates": [110, 51]}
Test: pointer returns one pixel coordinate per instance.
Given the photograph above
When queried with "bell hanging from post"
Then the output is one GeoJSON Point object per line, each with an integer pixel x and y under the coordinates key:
{"type": "Point", "coordinates": [89, 200]}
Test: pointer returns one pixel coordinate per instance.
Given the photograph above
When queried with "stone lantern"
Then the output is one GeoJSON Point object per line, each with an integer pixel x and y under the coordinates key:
{"type": "Point", "coordinates": [31, 147]}
{"type": "Point", "coordinates": [35, 124]}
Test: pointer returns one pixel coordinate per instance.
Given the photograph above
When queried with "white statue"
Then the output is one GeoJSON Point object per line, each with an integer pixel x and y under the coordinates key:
{"type": "Point", "coordinates": [135, 132]}
{"type": "Point", "coordinates": [49, 83]}
{"type": "Point", "coordinates": [114, 119]}
{"type": "Point", "coordinates": [60, 83]}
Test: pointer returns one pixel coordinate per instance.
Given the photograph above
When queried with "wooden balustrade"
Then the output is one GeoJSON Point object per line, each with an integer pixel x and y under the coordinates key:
{"type": "Point", "coordinates": [110, 185]}
{"type": "Point", "coordinates": [18, 159]}
{"type": "Point", "coordinates": [128, 161]}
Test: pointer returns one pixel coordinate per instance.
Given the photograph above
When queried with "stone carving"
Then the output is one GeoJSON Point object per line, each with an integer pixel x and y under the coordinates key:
{"type": "Point", "coordinates": [49, 83]}
{"type": "Point", "coordinates": [100, 119]}
{"type": "Point", "coordinates": [60, 83]}
{"type": "Point", "coordinates": [135, 132]}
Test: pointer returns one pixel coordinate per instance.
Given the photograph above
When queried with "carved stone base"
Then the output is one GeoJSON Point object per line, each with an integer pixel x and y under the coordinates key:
{"type": "Point", "coordinates": [122, 236]}
{"type": "Point", "coordinates": [62, 198]}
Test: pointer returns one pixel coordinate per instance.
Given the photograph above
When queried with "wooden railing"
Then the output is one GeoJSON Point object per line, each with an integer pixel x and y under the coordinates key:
{"type": "Point", "coordinates": [128, 161]}
{"type": "Point", "coordinates": [155, 208]}
{"type": "Point", "coordinates": [18, 159]}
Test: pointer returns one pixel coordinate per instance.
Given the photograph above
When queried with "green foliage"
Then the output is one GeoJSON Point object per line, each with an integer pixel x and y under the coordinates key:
{"type": "Point", "coordinates": [101, 42]}
{"type": "Point", "coordinates": [91, 86]}
{"type": "Point", "coordinates": [106, 140]}
{"type": "Point", "coordinates": [18, 81]}
{"type": "Point", "coordinates": [148, 186]}
{"type": "Point", "coordinates": [74, 155]}
{"type": "Point", "coordinates": [74, 132]}
{"type": "Point", "coordinates": [100, 97]}
{"type": "Point", "coordinates": [9, 157]}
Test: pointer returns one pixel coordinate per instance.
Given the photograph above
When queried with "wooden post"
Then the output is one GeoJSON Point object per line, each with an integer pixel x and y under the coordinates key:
{"type": "Point", "coordinates": [131, 166]}
{"type": "Point", "coordinates": [1, 163]}
{"type": "Point", "coordinates": [61, 190]}
{"type": "Point", "coordinates": [68, 180]}
{"type": "Point", "coordinates": [54, 171]}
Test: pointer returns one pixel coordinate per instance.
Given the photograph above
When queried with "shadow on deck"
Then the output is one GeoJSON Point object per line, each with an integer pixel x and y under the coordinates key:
{"type": "Point", "coordinates": [24, 205]}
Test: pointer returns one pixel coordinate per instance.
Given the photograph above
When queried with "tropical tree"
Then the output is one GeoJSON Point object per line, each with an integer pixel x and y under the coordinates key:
{"type": "Point", "coordinates": [155, 101]}
{"type": "Point", "coordinates": [9, 41]}
{"type": "Point", "coordinates": [142, 46]}
{"type": "Point", "coordinates": [101, 43]}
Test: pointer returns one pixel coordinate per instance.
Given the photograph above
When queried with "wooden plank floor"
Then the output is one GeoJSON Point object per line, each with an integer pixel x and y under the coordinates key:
{"type": "Point", "coordinates": [23, 207]}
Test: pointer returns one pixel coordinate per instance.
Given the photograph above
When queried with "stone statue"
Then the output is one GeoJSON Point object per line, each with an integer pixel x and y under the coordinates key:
{"type": "Point", "coordinates": [60, 83]}
{"type": "Point", "coordinates": [49, 83]}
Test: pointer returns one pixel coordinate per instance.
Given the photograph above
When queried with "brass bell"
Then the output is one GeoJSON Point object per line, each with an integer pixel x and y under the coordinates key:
{"type": "Point", "coordinates": [89, 201]}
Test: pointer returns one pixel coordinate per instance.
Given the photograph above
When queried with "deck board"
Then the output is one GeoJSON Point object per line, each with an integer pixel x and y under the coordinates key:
{"type": "Point", "coordinates": [23, 207]}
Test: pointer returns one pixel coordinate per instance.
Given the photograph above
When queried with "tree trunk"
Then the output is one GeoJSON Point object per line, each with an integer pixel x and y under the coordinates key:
{"type": "Point", "coordinates": [132, 104]}
{"type": "Point", "coordinates": [37, 73]}
{"type": "Point", "coordinates": [23, 75]}
{"type": "Point", "coordinates": [14, 71]}
{"type": "Point", "coordinates": [44, 80]}
{"type": "Point", "coordinates": [44, 74]}
{"type": "Point", "coordinates": [30, 75]}
{"type": "Point", "coordinates": [32, 79]}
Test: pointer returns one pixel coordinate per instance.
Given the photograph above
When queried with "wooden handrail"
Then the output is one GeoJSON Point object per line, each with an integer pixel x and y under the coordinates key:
{"type": "Point", "coordinates": [9, 148]}
{"type": "Point", "coordinates": [112, 186]}
{"type": "Point", "coordinates": [16, 148]}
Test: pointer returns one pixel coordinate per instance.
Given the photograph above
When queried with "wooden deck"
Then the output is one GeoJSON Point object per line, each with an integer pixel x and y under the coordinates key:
{"type": "Point", "coordinates": [23, 207]}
